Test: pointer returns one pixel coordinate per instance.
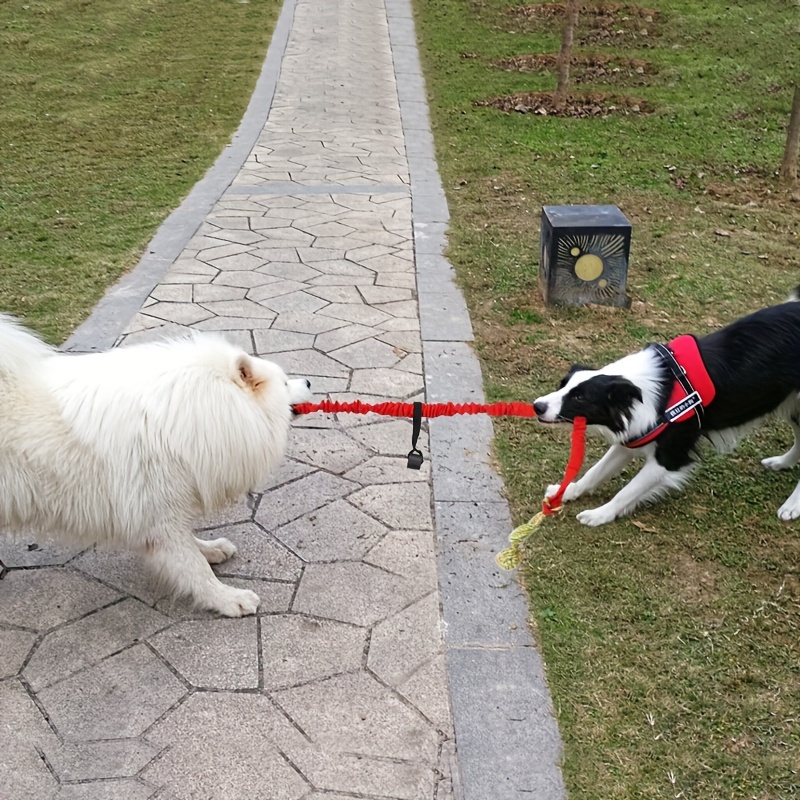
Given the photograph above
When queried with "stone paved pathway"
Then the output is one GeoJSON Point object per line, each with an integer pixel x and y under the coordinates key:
{"type": "Point", "coordinates": [346, 683]}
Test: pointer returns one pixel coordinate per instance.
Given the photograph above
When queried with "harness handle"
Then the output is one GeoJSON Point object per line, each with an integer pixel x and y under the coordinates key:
{"type": "Point", "coordinates": [415, 456]}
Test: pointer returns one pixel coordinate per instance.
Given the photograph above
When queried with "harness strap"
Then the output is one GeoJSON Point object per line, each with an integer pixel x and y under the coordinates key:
{"type": "Point", "coordinates": [697, 391]}
{"type": "Point", "coordinates": [692, 395]}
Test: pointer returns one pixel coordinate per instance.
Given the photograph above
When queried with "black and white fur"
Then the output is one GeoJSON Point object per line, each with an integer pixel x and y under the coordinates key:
{"type": "Point", "coordinates": [754, 364]}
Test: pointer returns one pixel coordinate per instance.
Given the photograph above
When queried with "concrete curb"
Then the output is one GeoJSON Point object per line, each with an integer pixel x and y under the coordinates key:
{"type": "Point", "coordinates": [507, 739]}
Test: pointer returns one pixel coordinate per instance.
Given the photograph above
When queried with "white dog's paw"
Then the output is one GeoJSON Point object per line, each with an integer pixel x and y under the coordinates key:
{"type": "Point", "coordinates": [217, 550]}
{"type": "Point", "coordinates": [596, 516]}
{"type": "Point", "coordinates": [777, 462]}
{"type": "Point", "coordinates": [789, 510]}
{"type": "Point", "coordinates": [232, 602]}
{"type": "Point", "coordinates": [572, 491]}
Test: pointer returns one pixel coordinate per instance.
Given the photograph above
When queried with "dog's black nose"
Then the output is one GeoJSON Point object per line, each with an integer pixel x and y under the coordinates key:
{"type": "Point", "coordinates": [540, 408]}
{"type": "Point", "coordinates": [308, 383]}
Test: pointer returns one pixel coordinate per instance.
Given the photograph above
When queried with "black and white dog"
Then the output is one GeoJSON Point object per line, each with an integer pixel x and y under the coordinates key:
{"type": "Point", "coordinates": [660, 401]}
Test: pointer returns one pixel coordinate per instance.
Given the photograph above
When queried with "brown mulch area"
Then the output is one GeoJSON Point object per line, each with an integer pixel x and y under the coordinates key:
{"type": "Point", "coordinates": [615, 10]}
{"type": "Point", "coordinates": [585, 68]}
{"type": "Point", "coordinates": [599, 23]}
{"type": "Point", "coordinates": [594, 104]}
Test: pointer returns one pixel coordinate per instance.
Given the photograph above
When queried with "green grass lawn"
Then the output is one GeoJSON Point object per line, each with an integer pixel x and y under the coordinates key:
{"type": "Point", "coordinates": [672, 639]}
{"type": "Point", "coordinates": [109, 113]}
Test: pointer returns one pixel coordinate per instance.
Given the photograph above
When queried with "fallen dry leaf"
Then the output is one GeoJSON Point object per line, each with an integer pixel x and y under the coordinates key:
{"type": "Point", "coordinates": [642, 527]}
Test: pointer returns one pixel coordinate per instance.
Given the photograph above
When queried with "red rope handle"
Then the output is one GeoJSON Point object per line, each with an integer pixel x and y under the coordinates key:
{"type": "Point", "coordinates": [552, 504]}
{"type": "Point", "coordinates": [429, 410]}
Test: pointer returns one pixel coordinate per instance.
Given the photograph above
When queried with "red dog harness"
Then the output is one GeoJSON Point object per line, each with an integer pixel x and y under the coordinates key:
{"type": "Point", "coordinates": [692, 389]}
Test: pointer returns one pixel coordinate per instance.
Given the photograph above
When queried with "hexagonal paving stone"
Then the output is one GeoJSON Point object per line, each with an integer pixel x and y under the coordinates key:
{"type": "Point", "coordinates": [405, 308]}
{"type": "Point", "coordinates": [397, 505]}
{"type": "Point", "coordinates": [272, 341]}
{"type": "Point", "coordinates": [240, 236]}
{"type": "Point", "coordinates": [116, 699]}
{"type": "Point", "coordinates": [231, 741]}
{"type": "Point", "coordinates": [297, 649]}
{"type": "Point", "coordinates": [240, 262]}
{"type": "Point", "coordinates": [405, 642]}
{"type": "Point", "coordinates": [382, 469]}
{"type": "Point", "coordinates": [366, 354]}
{"type": "Point", "coordinates": [14, 648]}
{"type": "Point", "coordinates": [427, 690]}
{"type": "Point", "coordinates": [218, 653]}
{"type": "Point", "coordinates": [400, 280]}
{"type": "Point", "coordinates": [291, 501]}
{"type": "Point", "coordinates": [258, 554]}
{"type": "Point", "coordinates": [376, 721]}
{"type": "Point", "coordinates": [411, 363]}
{"type": "Point", "coordinates": [274, 289]}
{"type": "Point", "coordinates": [351, 592]}
{"type": "Point", "coordinates": [386, 263]}
{"type": "Point", "coordinates": [360, 775]}
{"type": "Point", "coordinates": [341, 268]}
{"type": "Point", "coordinates": [331, 450]}
{"type": "Point", "coordinates": [290, 270]}
{"type": "Point", "coordinates": [306, 323]}
{"type": "Point", "coordinates": [290, 470]}
{"type": "Point", "coordinates": [23, 774]}
{"type": "Point", "coordinates": [33, 550]}
{"type": "Point", "coordinates": [123, 570]}
{"type": "Point", "coordinates": [384, 294]}
{"type": "Point", "coordinates": [350, 312]}
{"type": "Point", "coordinates": [235, 323]}
{"type": "Point", "coordinates": [342, 336]}
{"type": "Point", "coordinates": [93, 761]}
{"type": "Point", "coordinates": [42, 598]}
{"type": "Point", "coordinates": [239, 308]}
{"type": "Point", "coordinates": [407, 553]}
{"type": "Point", "coordinates": [334, 532]}
{"type": "Point", "coordinates": [385, 382]}
{"type": "Point", "coordinates": [182, 313]}
{"type": "Point", "coordinates": [209, 292]}
{"type": "Point", "coordinates": [238, 279]}
{"type": "Point", "coordinates": [391, 438]}
{"type": "Point", "coordinates": [337, 294]}
{"type": "Point", "coordinates": [323, 228]}
{"type": "Point", "coordinates": [241, 511]}
{"type": "Point", "coordinates": [89, 640]}
{"type": "Point", "coordinates": [294, 302]}
{"type": "Point", "coordinates": [107, 790]}
{"type": "Point", "coordinates": [173, 293]}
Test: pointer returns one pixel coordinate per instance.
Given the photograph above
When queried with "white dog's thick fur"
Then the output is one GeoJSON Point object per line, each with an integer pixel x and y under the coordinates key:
{"type": "Point", "coordinates": [130, 447]}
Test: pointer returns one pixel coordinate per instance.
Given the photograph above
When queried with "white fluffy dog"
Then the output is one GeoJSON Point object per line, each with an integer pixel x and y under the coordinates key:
{"type": "Point", "coordinates": [130, 447]}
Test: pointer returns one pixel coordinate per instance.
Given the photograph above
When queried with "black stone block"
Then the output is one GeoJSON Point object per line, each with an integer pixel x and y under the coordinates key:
{"type": "Point", "coordinates": [584, 259]}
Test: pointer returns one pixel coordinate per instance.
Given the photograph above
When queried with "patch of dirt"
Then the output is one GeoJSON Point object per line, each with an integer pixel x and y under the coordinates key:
{"type": "Point", "coordinates": [693, 584]}
{"type": "Point", "coordinates": [594, 104]}
{"type": "Point", "coordinates": [549, 10]}
{"type": "Point", "coordinates": [584, 68]}
{"type": "Point", "coordinates": [598, 23]}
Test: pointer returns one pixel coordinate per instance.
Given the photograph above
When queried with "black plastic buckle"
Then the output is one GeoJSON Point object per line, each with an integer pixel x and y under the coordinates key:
{"type": "Point", "coordinates": [415, 458]}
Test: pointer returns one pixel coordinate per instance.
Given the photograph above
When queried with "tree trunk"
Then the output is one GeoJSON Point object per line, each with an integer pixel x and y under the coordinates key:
{"type": "Point", "coordinates": [565, 54]}
{"type": "Point", "coordinates": [789, 164]}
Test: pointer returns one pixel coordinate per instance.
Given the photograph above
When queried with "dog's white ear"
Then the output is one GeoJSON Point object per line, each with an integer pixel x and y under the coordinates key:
{"type": "Point", "coordinates": [245, 373]}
